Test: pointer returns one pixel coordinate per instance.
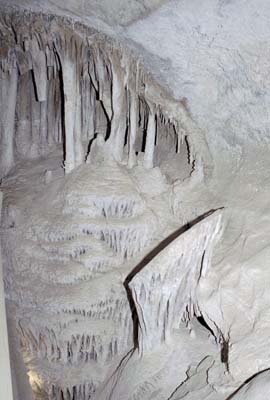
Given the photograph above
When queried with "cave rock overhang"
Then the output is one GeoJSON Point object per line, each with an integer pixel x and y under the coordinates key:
{"type": "Point", "coordinates": [65, 83]}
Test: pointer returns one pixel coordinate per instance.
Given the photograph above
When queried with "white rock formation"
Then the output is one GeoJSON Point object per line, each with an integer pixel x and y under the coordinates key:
{"type": "Point", "coordinates": [162, 291]}
{"type": "Point", "coordinates": [120, 149]}
{"type": "Point", "coordinates": [79, 84]}
{"type": "Point", "coordinates": [165, 288]}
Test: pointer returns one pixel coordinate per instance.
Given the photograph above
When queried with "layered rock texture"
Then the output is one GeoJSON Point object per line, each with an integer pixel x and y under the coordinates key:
{"type": "Point", "coordinates": [135, 220]}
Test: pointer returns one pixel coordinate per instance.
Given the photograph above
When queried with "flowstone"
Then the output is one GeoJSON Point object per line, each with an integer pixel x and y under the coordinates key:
{"type": "Point", "coordinates": [134, 262]}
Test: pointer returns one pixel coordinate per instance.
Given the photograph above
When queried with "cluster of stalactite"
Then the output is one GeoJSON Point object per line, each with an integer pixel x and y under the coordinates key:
{"type": "Point", "coordinates": [64, 83]}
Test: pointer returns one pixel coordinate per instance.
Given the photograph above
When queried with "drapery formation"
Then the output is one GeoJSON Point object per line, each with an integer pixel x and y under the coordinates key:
{"type": "Point", "coordinates": [63, 83]}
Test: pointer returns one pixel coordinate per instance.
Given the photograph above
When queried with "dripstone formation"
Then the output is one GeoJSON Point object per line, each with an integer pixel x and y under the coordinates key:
{"type": "Point", "coordinates": [114, 232]}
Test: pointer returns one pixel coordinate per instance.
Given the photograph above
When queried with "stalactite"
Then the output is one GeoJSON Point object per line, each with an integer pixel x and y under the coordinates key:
{"type": "Point", "coordinates": [133, 128]}
{"type": "Point", "coordinates": [101, 121]}
{"type": "Point", "coordinates": [92, 113]}
{"type": "Point", "coordinates": [24, 60]}
{"type": "Point", "coordinates": [69, 87]}
{"type": "Point", "coordinates": [179, 137]}
{"type": "Point", "coordinates": [92, 69]}
{"type": "Point", "coordinates": [7, 117]}
{"type": "Point", "coordinates": [104, 76]}
{"type": "Point", "coordinates": [78, 146]}
{"type": "Point", "coordinates": [43, 122]}
{"type": "Point", "coordinates": [91, 94]}
{"type": "Point", "coordinates": [23, 137]}
{"type": "Point", "coordinates": [35, 121]}
{"type": "Point", "coordinates": [84, 86]}
{"type": "Point", "coordinates": [39, 70]}
{"type": "Point", "coordinates": [118, 123]}
{"type": "Point", "coordinates": [142, 125]}
{"type": "Point", "coordinates": [150, 138]}
{"type": "Point", "coordinates": [133, 83]}
{"type": "Point", "coordinates": [54, 106]}
{"type": "Point", "coordinates": [87, 110]}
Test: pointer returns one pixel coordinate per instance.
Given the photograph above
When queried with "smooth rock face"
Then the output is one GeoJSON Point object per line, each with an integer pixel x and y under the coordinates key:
{"type": "Point", "coordinates": [135, 224]}
{"type": "Point", "coordinates": [215, 54]}
{"type": "Point", "coordinates": [257, 388]}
